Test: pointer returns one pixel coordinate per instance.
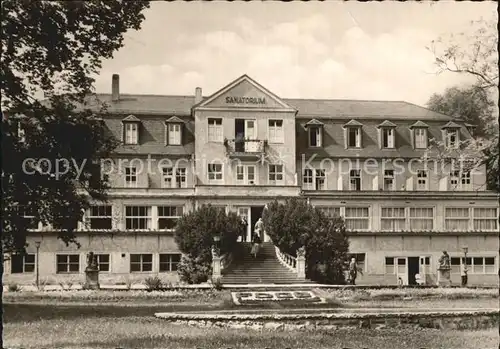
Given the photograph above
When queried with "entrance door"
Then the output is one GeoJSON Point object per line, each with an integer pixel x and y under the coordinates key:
{"type": "Point", "coordinates": [256, 213]}
{"type": "Point", "coordinates": [250, 134]}
{"type": "Point", "coordinates": [245, 212]}
{"type": "Point", "coordinates": [401, 270]}
{"type": "Point", "coordinates": [423, 268]}
{"type": "Point", "coordinates": [413, 269]}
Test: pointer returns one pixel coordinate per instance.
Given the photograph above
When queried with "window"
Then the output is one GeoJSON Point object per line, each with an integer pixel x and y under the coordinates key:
{"type": "Point", "coordinates": [422, 183]}
{"type": "Point", "coordinates": [275, 174]}
{"type": "Point", "coordinates": [476, 265]}
{"type": "Point", "coordinates": [276, 133]}
{"type": "Point", "coordinates": [68, 263]}
{"type": "Point", "coordinates": [168, 216]}
{"type": "Point", "coordinates": [393, 219]}
{"type": "Point", "coordinates": [485, 218]}
{"type": "Point", "coordinates": [137, 217]}
{"type": "Point", "coordinates": [99, 217]}
{"type": "Point", "coordinates": [315, 136]}
{"type": "Point", "coordinates": [131, 133]}
{"type": "Point", "coordinates": [354, 137]}
{"type": "Point", "coordinates": [421, 218]}
{"type": "Point", "coordinates": [131, 177]}
{"type": "Point", "coordinates": [214, 172]}
{"type": "Point", "coordinates": [454, 176]}
{"type": "Point", "coordinates": [389, 180]}
{"type": "Point", "coordinates": [355, 180]}
{"type": "Point", "coordinates": [420, 138]}
{"type": "Point", "coordinates": [451, 140]}
{"type": "Point", "coordinates": [330, 212]}
{"type": "Point", "coordinates": [169, 262]}
{"type": "Point", "coordinates": [174, 134]}
{"type": "Point", "coordinates": [103, 262]}
{"type": "Point", "coordinates": [171, 181]}
{"type": "Point", "coordinates": [215, 133]}
{"type": "Point", "coordinates": [357, 218]}
{"type": "Point", "coordinates": [465, 180]}
{"type": "Point", "coordinates": [245, 174]}
{"type": "Point", "coordinates": [22, 263]}
{"type": "Point", "coordinates": [29, 218]}
{"type": "Point", "coordinates": [456, 218]}
{"type": "Point", "coordinates": [388, 137]}
{"type": "Point", "coordinates": [314, 179]}
{"type": "Point", "coordinates": [389, 265]}
{"type": "Point", "coordinates": [141, 262]}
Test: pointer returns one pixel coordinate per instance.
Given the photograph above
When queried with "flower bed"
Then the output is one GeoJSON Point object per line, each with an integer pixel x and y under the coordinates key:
{"type": "Point", "coordinates": [282, 297]}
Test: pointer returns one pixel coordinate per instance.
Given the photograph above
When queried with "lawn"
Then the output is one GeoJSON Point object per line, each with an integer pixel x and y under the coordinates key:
{"type": "Point", "coordinates": [30, 326]}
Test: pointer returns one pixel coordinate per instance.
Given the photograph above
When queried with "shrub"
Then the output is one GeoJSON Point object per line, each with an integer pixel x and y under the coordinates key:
{"type": "Point", "coordinates": [295, 224]}
{"type": "Point", "coordinates": [153, 283]}
{"type": "Point", "coordinates": [194, 235]}
{"type": "Point", "coordinates": [14, 288]}
{"type": "Point", "coordinates": [193, 270]}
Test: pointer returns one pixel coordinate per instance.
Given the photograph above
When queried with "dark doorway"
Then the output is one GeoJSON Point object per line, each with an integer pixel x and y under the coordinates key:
{"type": "Point", "coordinates": [413, 269]}
{"type": "Point", "coordinates": [256, 213]}
{"type": "Point", "coordinates": [239, 133]}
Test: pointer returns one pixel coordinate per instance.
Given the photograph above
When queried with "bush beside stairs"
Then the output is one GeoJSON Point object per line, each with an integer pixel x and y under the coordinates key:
{"type": "Point", "coordinates": [265, 269]}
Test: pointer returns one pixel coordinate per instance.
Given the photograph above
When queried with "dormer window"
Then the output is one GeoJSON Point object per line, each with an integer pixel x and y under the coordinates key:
{"type": "Point", "coordinates": [419, 135]}
{"type": "Point", "coordinates": [387, 135]}
{"type": "Point", "coordinates": [352, 133]}
{"type": "Point", "coordinates": [131, 130]}
{"type": "Point", "coordinates": [173, 131]}
{"type": "Point", "coordinates": [451, 135]}
{"type": "Point", "coordinates": [315, 133]}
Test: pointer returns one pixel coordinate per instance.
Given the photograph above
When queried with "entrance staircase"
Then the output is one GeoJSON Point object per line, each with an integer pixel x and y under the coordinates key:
{"type": "Point", "coordinates": [265, 269]}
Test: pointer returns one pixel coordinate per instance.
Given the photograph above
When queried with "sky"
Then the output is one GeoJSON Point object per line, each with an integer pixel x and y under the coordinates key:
{"type": "Point", "coordinates": [324, 50]}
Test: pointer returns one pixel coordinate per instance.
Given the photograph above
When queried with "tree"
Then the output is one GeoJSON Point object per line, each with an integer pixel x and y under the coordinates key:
{"type": "Point", "coordinates": [297, 224]}
{"type": "Point", "coordinates": [51, 51]}
{"type": "Point", "coordinates": [471, 104]}
{"type": "Point", "coordinates": [475, 53]}
{"type": "Point", "coordinates": [194, 235]}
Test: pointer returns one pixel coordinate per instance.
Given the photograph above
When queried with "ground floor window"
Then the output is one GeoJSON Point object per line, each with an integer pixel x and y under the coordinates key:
{"type": "Point", "coordinates": [141, 262]}
{"type": "Point", "coordinates": [330, 211]}
{"type": "Point", "coordinates": [169, 261]}
{"type": "Point", "coordinates": [68, 263]}
{"type": "Point", "coordinates": [395, 265]}
{"type": "Point", "coordinates": [103, 262]}
{"type": "Point", "coordinates": [22, 263]}
{"type": "Point", "coordinates": [475, 265]}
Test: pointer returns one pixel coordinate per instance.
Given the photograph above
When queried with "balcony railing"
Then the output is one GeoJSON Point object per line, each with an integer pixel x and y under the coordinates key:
{"type": "Point", "coordinates": [245, 147]}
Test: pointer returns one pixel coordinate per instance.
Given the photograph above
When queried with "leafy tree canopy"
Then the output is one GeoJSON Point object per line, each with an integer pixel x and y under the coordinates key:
{"type": "Point", "coordinates": [50, 52]}
{"type": "Point", "coordinates": [297, 224]}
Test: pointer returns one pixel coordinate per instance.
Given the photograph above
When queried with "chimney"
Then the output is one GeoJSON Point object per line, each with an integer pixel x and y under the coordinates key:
{"type": "Point", "coordinates": [197, 96]}
{"type": "Point", "coordinates": [115, 88]}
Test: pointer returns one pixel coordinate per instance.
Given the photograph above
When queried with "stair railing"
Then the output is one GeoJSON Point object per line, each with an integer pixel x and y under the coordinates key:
{"type": "Point", "coordinates": [225, 260]}
{"type": "Point", "coordinates": [287, 260]}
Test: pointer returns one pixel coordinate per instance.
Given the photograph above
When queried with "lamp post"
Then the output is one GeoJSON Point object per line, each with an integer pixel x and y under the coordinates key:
{"type": "Point", "coordinates": [37, 245]}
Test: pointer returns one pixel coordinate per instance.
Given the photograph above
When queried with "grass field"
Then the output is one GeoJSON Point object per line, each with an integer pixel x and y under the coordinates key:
{"type": "Point", "coordinates": [49, 326]}
{"type": "Point", "coordinates": [107, 319]}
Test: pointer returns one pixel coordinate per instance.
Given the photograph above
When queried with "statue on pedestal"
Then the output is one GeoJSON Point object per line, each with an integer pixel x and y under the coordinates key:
{"type": "Point", "coordinates": [444, 270]}
{"type": "Point", "coordinates": [444, 261]}
{"type": "Point", "coordinates": [301, 252]}
{"type": "Point", "coordinates": [92, 272]}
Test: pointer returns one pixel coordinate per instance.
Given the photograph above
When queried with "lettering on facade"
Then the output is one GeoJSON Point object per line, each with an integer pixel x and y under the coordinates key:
{"type": "Point", "coordinates": [245, 100]}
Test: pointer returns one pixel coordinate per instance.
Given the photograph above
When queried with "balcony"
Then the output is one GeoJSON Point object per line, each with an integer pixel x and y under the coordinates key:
{"type": "Point", "coordinates": [250, 149]}
{"type": "Point", "coordinates": [251, 191]}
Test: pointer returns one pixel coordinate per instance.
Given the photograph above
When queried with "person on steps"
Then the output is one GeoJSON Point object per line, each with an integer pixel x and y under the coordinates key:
{"type": "Point", "coordinates": [255, 244]}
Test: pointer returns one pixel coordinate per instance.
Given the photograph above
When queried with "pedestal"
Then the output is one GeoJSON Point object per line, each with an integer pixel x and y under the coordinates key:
{"type": "Point", "coordinates": [216, 268]}
{"type": "Point", "coordinates": [91, 279]}
{"type": "Point", "coordinates": [444, 277]}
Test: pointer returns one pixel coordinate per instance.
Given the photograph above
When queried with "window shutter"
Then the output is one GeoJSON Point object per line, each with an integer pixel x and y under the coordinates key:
{"type": "Point", "coordinates": [379, 133]}
{"type": "Point", "coordinates": [443, 134]}
{"type": "Point", "coordinates": [360, 128]}
{"type": "Point", "coordinates": [123, 132]}
{"type": "Point", "coordinates": [412, 138]}
{"type": "Point", "coordinates": [166, 134]}
{"type": "Point", "coordinates": [345, 137]}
